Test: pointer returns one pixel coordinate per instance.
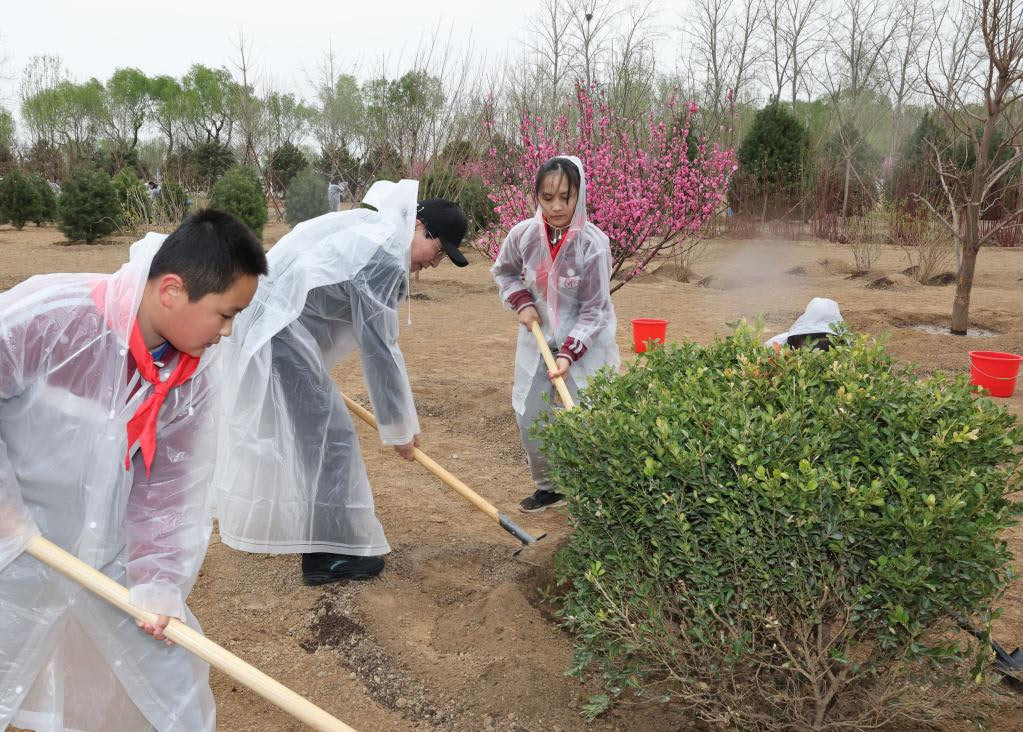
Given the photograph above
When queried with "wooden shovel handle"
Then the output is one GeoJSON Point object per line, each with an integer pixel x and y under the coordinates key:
{"type": "Point", "coordinates": [273, 691]}
{"type": "Point", "coordinates": [430, 464]}
{"type": "Point", "coordinates": [548, 357]}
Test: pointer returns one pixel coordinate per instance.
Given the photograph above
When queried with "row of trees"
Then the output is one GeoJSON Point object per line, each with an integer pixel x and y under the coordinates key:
{"type": "Point", "coordinates": [962, 165]}
{"type": "Point", "coordinates": [865, 106]}
{"type": "Point", "coordinates": [848, 65]}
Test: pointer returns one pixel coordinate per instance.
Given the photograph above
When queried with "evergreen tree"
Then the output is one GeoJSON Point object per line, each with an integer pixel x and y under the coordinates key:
{"type": "Point", "coordinates": [771, 159]}
{"type": "Point", "coordinates": [240, 193]}
{"type": "Point", "coordinates": [88, 206]}
{"type": "Point", "coordinates": [17, 199]}
{"type": "Point", "coordinates": [45, 208]}
{"type": "Point", "coordinates": [307, 197]}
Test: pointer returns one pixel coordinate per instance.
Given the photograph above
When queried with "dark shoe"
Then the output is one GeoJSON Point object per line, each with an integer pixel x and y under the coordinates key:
{"type": "Point", "coordinates": [319, 568]}
{"type": "Point", "coordinates": [540, 501]}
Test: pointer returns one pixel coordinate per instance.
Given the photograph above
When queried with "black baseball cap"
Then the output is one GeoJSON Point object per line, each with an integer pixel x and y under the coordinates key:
{"type": "Point", "coordinates": [446, 221]}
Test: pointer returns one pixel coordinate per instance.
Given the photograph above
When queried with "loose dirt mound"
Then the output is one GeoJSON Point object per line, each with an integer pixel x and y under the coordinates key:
{"type": "Point", "coordinates": [945, 278]}
{"type": "Point", "coordinates": [720, 282]}
{"type": "Point", "coordinates": [833, 266]}
{"type": "Point", "coordinates": [898, 282]}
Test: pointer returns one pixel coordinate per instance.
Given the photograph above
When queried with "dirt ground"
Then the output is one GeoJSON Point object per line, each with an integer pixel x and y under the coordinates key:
{"type": "Point", "coordinates": [452, 635]}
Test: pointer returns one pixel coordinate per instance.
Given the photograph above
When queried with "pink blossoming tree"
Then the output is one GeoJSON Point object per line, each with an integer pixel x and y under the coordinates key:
{"type": "Point", "coordinates": [650, 190]}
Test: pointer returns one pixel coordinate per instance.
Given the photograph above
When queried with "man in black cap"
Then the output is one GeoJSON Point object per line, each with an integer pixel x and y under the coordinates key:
{"type": "Point", "coordinates": [298, 483]}
{"type": "Point", "coordinates": [444, 221]}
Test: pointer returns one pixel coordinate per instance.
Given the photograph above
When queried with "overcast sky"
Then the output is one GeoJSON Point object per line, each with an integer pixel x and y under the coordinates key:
{"type": "Point", "coordinates": [289, 37]}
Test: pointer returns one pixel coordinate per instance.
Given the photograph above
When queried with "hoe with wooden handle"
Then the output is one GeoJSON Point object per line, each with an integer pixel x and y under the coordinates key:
{"type": "Point", "coordinates": [461, 488]}
{"type": "Point", "coordinates": [273, 691]}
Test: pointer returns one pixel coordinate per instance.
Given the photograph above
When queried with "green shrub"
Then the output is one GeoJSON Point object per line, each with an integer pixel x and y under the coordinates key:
{"type": "Point", "coordinates": [769, 180]}
{"type": "Point", "coordinates": [18, 199]}
{"type": "Point", "coordinates": [240, 193]}
{"type": "Point", "coordinates": [285, 163]}
{"type": "Point", "coordinates": [382, 163]}
{"type": "Point", "coordinates": [442, 181]}
{"type": "Point", "coordinates": [478, 207]}
{"type": "Point", "coordinates": [45, 208]}
{"type": "Point", "coordinates": [439, 181]}
{"type": "Point", "coordinates": [172, 204]}
{"type": "Point", "coordinates": [781, 541]}
{"type": "Point", "coordinates": [339, 163]}
{"type": "Point", "coordinates": [206, 163]}
{"type": "Point", "coordinates": [457, 152]}
{"type": "Point", "coordinates": [133, 198]}
{"type": "Point", "coordinates": [307, 197]}
{"type": "Point", "coordinates": [88, 208]}
{"type": "Point", "coordinates": [845, 147]}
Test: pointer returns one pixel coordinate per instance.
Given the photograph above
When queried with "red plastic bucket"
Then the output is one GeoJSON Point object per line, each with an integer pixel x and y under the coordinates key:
{"type": "Point", "coordinates": [643, 329]}
{"type": "Point", "coordinates": [994, 371]}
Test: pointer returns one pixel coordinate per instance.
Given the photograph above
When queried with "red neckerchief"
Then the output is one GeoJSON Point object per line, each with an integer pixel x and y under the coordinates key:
{"type": "Point", "coordinates": [142, 425]}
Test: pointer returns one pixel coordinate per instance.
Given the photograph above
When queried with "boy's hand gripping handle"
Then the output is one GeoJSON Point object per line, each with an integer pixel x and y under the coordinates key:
{"type": "Point", "coordinates": [273, 691]}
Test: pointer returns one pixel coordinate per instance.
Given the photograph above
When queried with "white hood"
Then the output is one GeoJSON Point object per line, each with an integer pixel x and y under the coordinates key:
{"type": "Point", "coordinates": [820, 316]}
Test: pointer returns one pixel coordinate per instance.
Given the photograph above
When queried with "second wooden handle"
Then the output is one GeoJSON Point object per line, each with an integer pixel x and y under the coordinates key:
{"type": "Point", "coordinates": [548, 357]}
{"type": "Point", "coordinates": [430, 464]}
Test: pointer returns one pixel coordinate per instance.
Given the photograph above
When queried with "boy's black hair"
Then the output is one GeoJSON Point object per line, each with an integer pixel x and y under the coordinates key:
{"type": "Point", "coordinates": [209, 251]}
{"type": "Point", "coordinates": [565, 167]}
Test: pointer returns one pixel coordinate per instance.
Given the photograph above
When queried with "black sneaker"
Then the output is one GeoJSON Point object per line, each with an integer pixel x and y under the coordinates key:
{"type": "Point", "coordinates": [540, 500]}
{"type": "Point", "coordinates": [319, 568]}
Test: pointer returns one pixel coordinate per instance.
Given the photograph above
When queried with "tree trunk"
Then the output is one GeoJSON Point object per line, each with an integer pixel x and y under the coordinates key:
{"type": "Point", "coordinates": [845, 188]}
{"type": "Point", "coordinates": [971, 222]}
{"type": "Point", "coordinates": [961, 305]}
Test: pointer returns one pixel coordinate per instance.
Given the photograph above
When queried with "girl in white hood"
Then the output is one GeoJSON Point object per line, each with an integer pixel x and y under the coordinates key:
{"type": "Point", "coordinates": [555, 269]}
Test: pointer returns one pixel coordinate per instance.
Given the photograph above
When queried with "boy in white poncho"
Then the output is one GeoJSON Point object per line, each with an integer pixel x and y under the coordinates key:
{"type": "Point", "coordinates": [105, 405]}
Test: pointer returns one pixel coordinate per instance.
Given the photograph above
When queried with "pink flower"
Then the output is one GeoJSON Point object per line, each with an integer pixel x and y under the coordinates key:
{"type": "Point", "coordinates": [642, 189]}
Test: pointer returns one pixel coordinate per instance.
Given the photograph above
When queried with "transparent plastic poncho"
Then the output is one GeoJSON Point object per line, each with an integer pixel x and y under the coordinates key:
{"type": "Point", "coordinates": [69, 660]}
{"type": "Point", "coordinates": [570, 292]}
{"type": "Point", "coordinates": [335, 286]}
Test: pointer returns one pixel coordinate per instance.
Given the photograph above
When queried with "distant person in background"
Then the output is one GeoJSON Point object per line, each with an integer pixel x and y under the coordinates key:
{"type": "Point", "coordinates": [334, 195]}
